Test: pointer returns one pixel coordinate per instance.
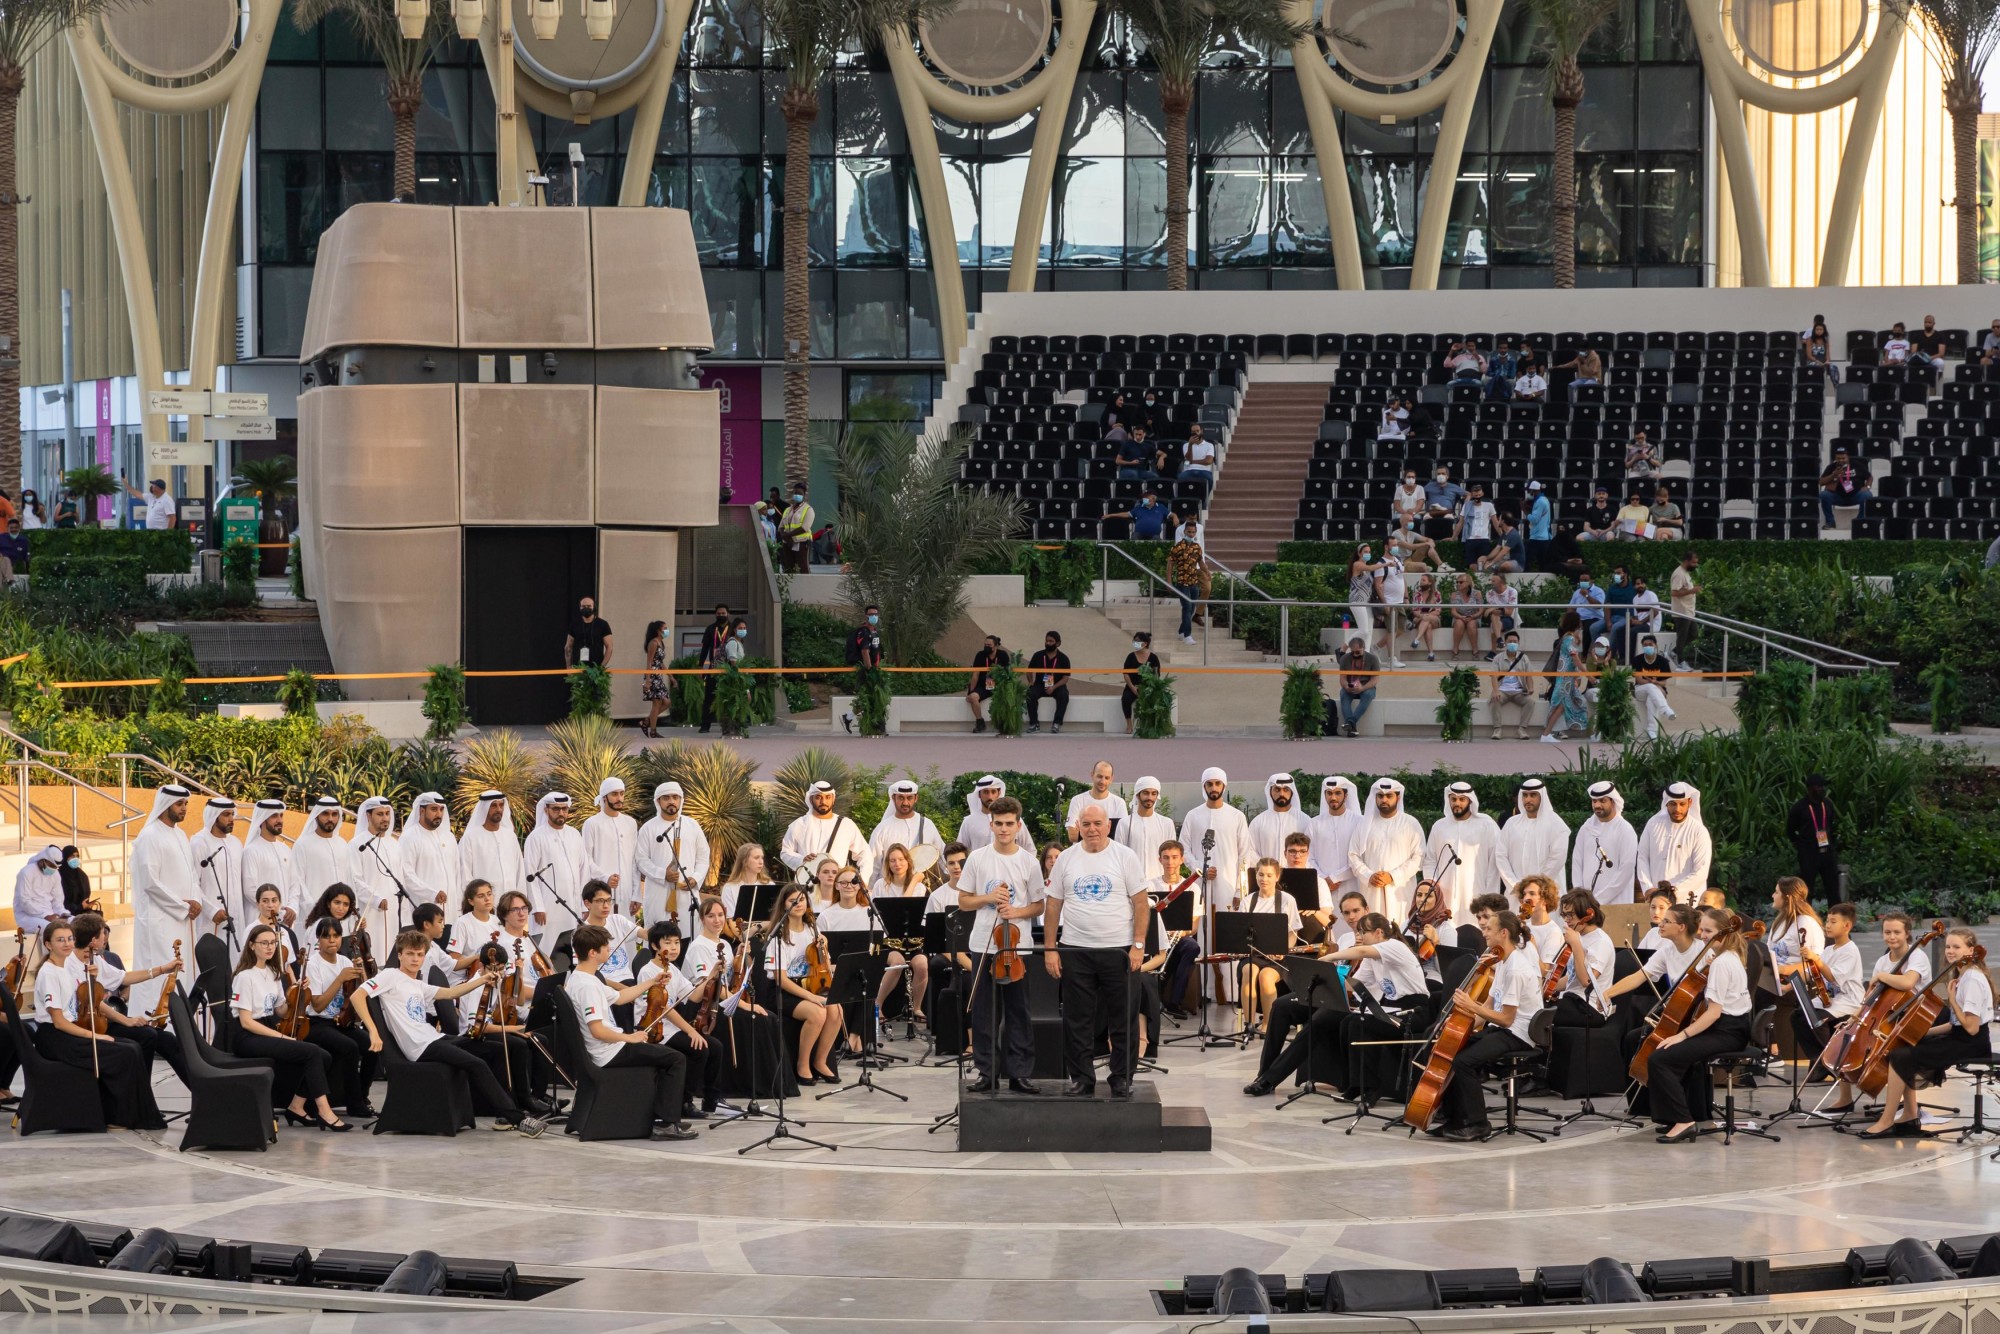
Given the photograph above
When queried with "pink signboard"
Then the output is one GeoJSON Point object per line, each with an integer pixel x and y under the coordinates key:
{"type": "Point", "coordinates": [106, 447]}
{"type": "Point", "coordinates": [742, 392]}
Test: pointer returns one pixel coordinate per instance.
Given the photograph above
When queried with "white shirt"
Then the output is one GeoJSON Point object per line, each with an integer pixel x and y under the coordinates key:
{"type": "Point", "coordinates": [1478, 516]}
{"type": "Point", "coordinates": [430, 863]}
{"type": "Point", "coordinates": [1919, 963]}
{"type": "Point", "coordinates": [812, 839]}
{"type": "Point", "coordinates": [161, 875]}
{"type": "Point", "coordinates": [1408, 500]}
{"type": "Point", "coordinates": [1613, 876]}
{"type": "Point", "coordinates": [985, 871]}
{"type": "Point", "coordinates": [218, 882]}
{"type": "Point", "coordinates": [911, 832]}
{"type": "Point", "coordinates": [1476, 840]}
{"type": "Point", "coordinates": [1784, 940]}
{"type": "Point", "coordinates": [1270, 829]}
{"type": "Point", "coordinates": [1200, 455]}
{"type": "Point", "coordinates": [406, 1009]}
{"type": "Point", "coordinates": [55, 989]}
{"type": "Point", "coordinates": [1281, 902]}
{"type": "Point", "coordinates": [256, 993]}
{"type": "Point", "coordinates": [1113, 804]}
{"type": "Point", "coordinates": [1096, 890]}
{"type": "Point", "coordinates": [1645, 612]}
{"type": "Point", "coordinates": [1144, 834]}
{"type": "Point", "coordinates": [678, 987]}
{"type": "Point", "coordinates": [1598, 956]}
{"type": "Point", "coordinates": [469, 934]}
{"type": "Point", "coordinates": [703, 954]}
{"type": "Point", "coordinates": [653, 853]}
{"type": "Point", "coordinates": [1393, 973]}
{"type": "Point", "coordinates": [1395, 846]}
{"type": "Point", "coordinates": [627, 942]}
{"type": "Point", "coordinates": [1895, 352]}
{"type": "Point", "coordinates": [1534, 845]}
{"type": "Point", "coordinates": [976, 832]}
{"type": "Point", "coordinates": [320, 973]}
{"type": "Point", "coordinates": [376, 858]}
{"type": "Point", "coordinates": [1673, 854]}
{"type": "Point", "coordinates": [322, 860]}
{"type": "Point", "coordinates": [1546, 938]}
{"type": "Point", "coordinates": [943, 899]}
{"type": "Point", "coordinates": [1231, 855]}
{"type": "Point", "coordinates": [593, 1005]}
{"type": "Point", "coordinates": [268, 861]}
{"type": "Point", "coordinates": [1518, 982]}
{"type": "Point", "coordinates": [1666, 964]}
{"type": "Point", "coordinates": [491, 855]}
{"type": "Point", "coordinates": [789, 955]}
{"type": "Point", "coordinates": [1728, 985]}
{"type": "Point", "coordinates": [160, 509]}
{"type": "Point", "coordinates": [1531, 384]}
{"type": "Point", "coordinates": [1847, 986]}
{"type": "Point", "coordinates": [558, 856]}
{"type": "Point", "coordinates": [1974, 995]}
{"type": "Point", "coordinates": [833, 917]}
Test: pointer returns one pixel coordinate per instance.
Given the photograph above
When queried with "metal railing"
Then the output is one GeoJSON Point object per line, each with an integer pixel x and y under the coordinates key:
{"type": "Point", "coordinates": [33, 756]}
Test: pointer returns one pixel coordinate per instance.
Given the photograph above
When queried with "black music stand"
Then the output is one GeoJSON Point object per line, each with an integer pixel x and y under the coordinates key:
{"type": "Point", "coordinates": [1303, 884]}
{"type": "Point", "coordinates": [952, 933]}
{"type": "Point", "coordinates": [1241, 934]}
{"type": "Point", "coordinates": [781, 1130]}
{"type": "Point", "coordinates": [857, 975]}
{"type": "Point", "coordinates": [1320, 984]}
{"type": "Point", "coordinates": [902, 918]}
{"type": "Point", "coordinates": [1812, 1118]}
{"type": "Point", "coordinates": [755, 902]}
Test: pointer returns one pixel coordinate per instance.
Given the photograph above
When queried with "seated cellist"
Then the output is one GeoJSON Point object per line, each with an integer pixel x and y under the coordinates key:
{"type": "Point", "coordinates": [1507, 1011]}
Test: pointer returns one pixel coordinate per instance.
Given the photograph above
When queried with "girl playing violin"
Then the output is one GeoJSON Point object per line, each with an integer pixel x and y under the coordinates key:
{"type": "Point", "coordinates": [271, 913]}
{"type": "Point", "coordinates": [1793, 912]}
{"type": "Point", "coordinates": [1960, 1035]}
{"type": "Point", "coordinates": [850, 911]}
{"type": "Point", "coordinates": [747, 869]}
{"type": "Point", "coordinates": [792, 937]}
{"type": "Point", "coordinates": [475, 926]}
{"type": "Point", "coordinates": [1382, 963]}
{"type": "Point", "coordinates": [1677, 1075]}
{"type": "Point", "coordinates": [1508, 1011]}
{"type": "Point", "coordinates": [63, 1013]}
{"type": "Point", "coordinates": [350, 1065]}
{"type": "Point", "coordinates": [259, 997]}
{"type": "Point", "coordinates": [93, 937]}
{"type": "Point", "coordinates": [1257, 979]}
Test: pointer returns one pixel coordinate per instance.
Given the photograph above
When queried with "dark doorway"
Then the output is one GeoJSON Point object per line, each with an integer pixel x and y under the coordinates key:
{"type": "Point", "coordinates": [521, 590]}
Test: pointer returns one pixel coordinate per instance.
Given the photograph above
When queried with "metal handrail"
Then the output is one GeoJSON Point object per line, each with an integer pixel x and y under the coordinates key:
{"type": "Point", "coordinates": [1750, 629]}
{"type": "Point", "coordinates": [23, 764]}
{"type": "Point", "coordinates": [7, 734]}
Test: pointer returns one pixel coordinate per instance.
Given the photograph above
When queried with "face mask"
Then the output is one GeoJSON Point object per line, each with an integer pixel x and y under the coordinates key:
{"type": "Point", "coordinates": [1444, 477]}
{"type": "Point", "coordinates": [1583, 584]}
{"type": "Point", "coordinates": [742, 634]}
{"type": "Point", "coordinates": [1649, 651]}
{"type": "Point", "coordinates": [874, 620]}
{"type": "Point", "coordinates": [74, 861]}
{"type": "Point", "coordinates": [1410, 480]}
{"type": "Point", "coordinates": [47, 869]}
{"type": "Point", "coordinates": [1617, 578]}
{"type": "Point", "coordinates": [797, 498]}
{"type": "Point", "coordinates": [1137, 646]}
{"type": "Point", "coordinates": [1513, 644]}
{"type": "Point", "coordinates": [1364, 557]}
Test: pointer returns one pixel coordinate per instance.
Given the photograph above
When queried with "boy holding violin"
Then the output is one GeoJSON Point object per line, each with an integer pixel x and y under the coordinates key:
{"type": "Point", "coordinates": [93, 937]}
{"type": "Point", "coordinates": [606, 1045]}
{"type": "Point", "coordinates": [69, 1017]}
{"type": "Point", "coordinates": [1002, 885]}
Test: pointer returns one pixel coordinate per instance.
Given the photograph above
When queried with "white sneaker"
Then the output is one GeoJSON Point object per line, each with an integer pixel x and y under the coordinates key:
{"type": "Point", "coordinates": [1551, 738]}
{"type": "Point", "coordinates": [1397, 662]}
{"type": "Point", "coordinates": [1187, 639]}
{"type": "Point", "coordinates": [1668, 714]}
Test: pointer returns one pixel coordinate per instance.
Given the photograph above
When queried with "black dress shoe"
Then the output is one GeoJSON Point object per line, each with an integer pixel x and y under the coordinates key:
{"type": "Point", "coordinates": [539, 1106]}
{"type": "Point", "coordinates": [675, 1133]}
{"type": "Point", "coordinates": [983, 1084]}
{"type": "Point", "coordinates": [1688, 1136]}
{"type": "Point", "coordinates": [1080, 1088]}
{"type": "Point", "coordinates": [1022, 1086]}
{"type": "Point", "coordinates": [1258, 1088]}
{"type": "Point", "coordinates": [1121, 1088]}
{"type": "Point", "coordinates": [1465, 1134]}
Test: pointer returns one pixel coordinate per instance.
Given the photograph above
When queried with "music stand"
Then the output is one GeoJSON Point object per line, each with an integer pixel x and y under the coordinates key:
{"type": "Point", "coordinates": [755, 902]}
{"type": "Point", "coordinates": [1236, 935]}
{"type": "Point", "coordinates": [1364, 1106]}
{"type": "Point", "coordinates": [857, 974]}
{"type": "Point", "coordinates": [1320, 984]}
{"type": "Point", "coordinates": [952, 934]}
{"type": "Point", "coordinates": [1813, 1116]}
{"type": "Point", "coordinates": [902, 918]}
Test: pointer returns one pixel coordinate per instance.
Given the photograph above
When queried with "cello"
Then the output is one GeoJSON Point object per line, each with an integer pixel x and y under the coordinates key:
{"type": "Point", "coordinates": [1680, 1003]}
{"type": "Point", "coordinates": [1911, 1024]}
{"type": "Point", "coordinates": [1453, 1030]}
{"type": "Point", "coordinates": [1854, 1042]}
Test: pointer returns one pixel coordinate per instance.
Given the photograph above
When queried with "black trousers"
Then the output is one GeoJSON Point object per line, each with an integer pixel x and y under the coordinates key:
{"type": "Point", "coordinates": [669, 1074]}
{"type": "Point", "coordinates": [1016, 1029]}
{"type": "Point", "coordinates": [1179, 971]}
{"type": "Point", "coordinates": [1929, 1062]}
{"type": "Point", "coordinates": [1573, 1011]}
{"type": "Point", "coordinates": [122, 1086]}
{"type": "Point", "coordinates": [1821, 869]}
{"type": "Point", "coordinates": [301, 1067]}
{"type": "Point", "coordinates": [1678, 1077]}
{"type": "Point", "coordinates": [1036, 695]}
{"type": "Point", "coordinates": [350, 1065]}
{"type": "Point", "coordinates": [704, 1066]}
{"type": "Point", "coordinates": [512, 1058]}
{"type": "Point", "coordinates": [155, 1044]}
{"type": "Point", "coordinates": [1094, 978]}
{"type": "Point", "coordinates": [1126, 699]}
{"type": "Point", "coordinates": [1147, 1004]}
{"type": "Point", "coordinates": [489, 1097]}
{"type": "Point", "coordinates": [1464, 1100]}
{"type": "Point", "coordinates": [1284, 1053]}
{"type": "Point", "coordinates": [10, 1062]}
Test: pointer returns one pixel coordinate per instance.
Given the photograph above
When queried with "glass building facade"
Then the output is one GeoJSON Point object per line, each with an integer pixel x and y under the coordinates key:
{"type": "Point", "coordinates": [1259, 216]}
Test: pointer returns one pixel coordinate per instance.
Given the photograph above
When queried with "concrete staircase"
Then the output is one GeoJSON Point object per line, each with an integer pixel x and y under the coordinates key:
{"type": "Point", "coordinates": [1163, 617]}
{"type": "Point", "coordinates": [1257, 495]}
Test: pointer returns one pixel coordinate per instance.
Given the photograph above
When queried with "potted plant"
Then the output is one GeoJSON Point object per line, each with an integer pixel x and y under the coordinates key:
{"type": "Point", "coordinates": [273, 481]}
{"type": "Point", "coordinates": [86, 486]}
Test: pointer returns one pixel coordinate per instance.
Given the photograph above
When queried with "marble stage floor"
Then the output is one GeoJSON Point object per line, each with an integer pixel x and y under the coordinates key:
{"type": "Point", "coordinates": [898, 1229]}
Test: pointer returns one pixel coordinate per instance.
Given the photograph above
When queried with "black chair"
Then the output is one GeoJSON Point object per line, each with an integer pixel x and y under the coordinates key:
{"type": "Point", "coordinates": [1754, 1059]}
{"type": "Point", "coordinates": [229, 1107]}
{"type": "Point", "coordinates": [610, 1104]}
{"type": "Point", "coordinates": [1510, 1069]}
{"type": "Point", "coordinates": [1589, 1063]}
{"type": "Point", "coordinates": [418, 1099]}
{"type": "Point", "coordinates": [1983, 1069]}
{"type": "Point", "coordinates": [212, 965]}
{"type": "Point", "coordinates": [56, 1096]}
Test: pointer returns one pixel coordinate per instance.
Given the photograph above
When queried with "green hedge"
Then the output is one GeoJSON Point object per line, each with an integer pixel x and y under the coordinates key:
{"type": "Point", "coordinates": [163, 552]}
{"type": "Point", "coordinates": [1656, 560]}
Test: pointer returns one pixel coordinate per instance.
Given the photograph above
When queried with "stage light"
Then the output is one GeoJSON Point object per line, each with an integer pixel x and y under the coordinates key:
{"type": "Point", "coordinates": [1961, 1253]}
{"type": "Point", "coordinates": [544, 16]}
{"type": "Point", "coordinates": [1607, 1282]}
{"type": "Point", "coordinates": [480, 1278]}
{"type": "Point", "coordinates": [1913, 1261]}
{"type": "Point", "coordinates": [274, 1262]}
{"type": "Point", "coordinates": [421, 1274]}
{"type": "Point", "coordinates": [1687, 1278]}
{"type": "Point", "coordinates": [354, 1269]}
{"type": "Point", "coordinates": [1867, 1266]}
{"type": "Point", "coordinates": [45, 1239]}
{"type": "Point", "coordinates": [411, 15]}
{"type": "Point", "coordinates": [150, 1252]}
{"type": "Point", "coordinates": [470, 15]}
{"type": "Point", "coordinates": [598, 18]}
{"type": "Point", "coordinates": [1557, 1285]}
{"type": "Point", "coordinates": [1241, 1292]}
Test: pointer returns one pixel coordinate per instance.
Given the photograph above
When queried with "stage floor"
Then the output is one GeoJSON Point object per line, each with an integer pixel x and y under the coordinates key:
{"type": "Point", "coordinates": [897, 1226]}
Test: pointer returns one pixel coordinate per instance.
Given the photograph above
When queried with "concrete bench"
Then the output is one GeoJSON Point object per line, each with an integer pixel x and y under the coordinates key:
{"type": "Point", "coordinates": [1418, 717]}
{"type": "Point", "coordinates": [947, 713]}
{"type": "Point", "coordinates": [1536, 643]}
{"type": "Point", "coordinates": [396, 719]}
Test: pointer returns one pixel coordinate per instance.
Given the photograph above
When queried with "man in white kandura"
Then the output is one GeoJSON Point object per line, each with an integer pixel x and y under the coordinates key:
{"type": "Point", "coordinates": [1606, 854]}
{"type": "Point", "coordinates": [430, 854]}
{"type": "Point", "coordinates": [1098, 794]}
{"type": "Point", "coordinates": [1145, 828]}
{"type": "Point", "coordinates": [267, 860]}
{"type": "Point", "coordinates": [1535, 841]}
{"type": "Point", "coordinates": [1463, 854]}
{"type": "Point", "coordinates": [1224, 864]}
{"type": "Point", "coordinates": [218, 869]}
{"type": "Point", "coordinates": [975, 830]}
{"type": "Point", "coordinates": [611, 843]}
{"type": "Point", "coordinates": [321, 855]}
{"type": "Point", "coordinates": [553, 860]}
{"type": "Point", "coordinates": [489, 849]}
{"type": "Point", "coordinates": [1281, 817]}
{"type": "Point", "coordinates": [822, 832]}
{"type": "Point", "coordinates": [903, 823]}
{"type": "Point", "coordinates": [166, 906]}
{"type": "Point", "coordinates": [1674, 850]}
{"type": "Point", "coordinates": [1386, 856]}
{"type": "Point", "coordinates": [378, 865]}
{"type": "Point", "coordinates": [1334, 829]}
{"type": "Point", "coordinates": [673, 860]}
{"type": "Point", "coordinates": [38, 896]}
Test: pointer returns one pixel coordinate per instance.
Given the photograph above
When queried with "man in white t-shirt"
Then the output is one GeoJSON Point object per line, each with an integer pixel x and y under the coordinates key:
{"type": "Point", "coordinates": [159, 505]}
{"type": "Point", "coordinates": [1098, 892]}
{"type": "Point", "coordinates": [1001, 884]}
{"type": "Point", "coordinates": [1100, 794]}
{"type": "Point", "coordinates": [608, 1047]}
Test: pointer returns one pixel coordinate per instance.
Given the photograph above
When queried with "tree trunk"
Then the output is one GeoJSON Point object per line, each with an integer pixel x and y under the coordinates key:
{"type": "Point", "coordinates": [801, 109]}
{"type": "Point", "coordinates": [12, 80]}
{"type": "Point", "coordinates": [1965, 174]}
{"type": "Point", "coordinates": [1568, 96]}
{"type": "Point", "coordinates": [404, 103]}
{"type": "Point", "coordinates": [1175, 99]}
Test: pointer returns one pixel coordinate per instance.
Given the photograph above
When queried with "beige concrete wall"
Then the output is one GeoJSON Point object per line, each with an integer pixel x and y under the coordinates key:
{"type": "Point", "coordinates": [397, 465]}
{"type": "Point", "coordinates": [524, 277]}
{"type": "Point", "coordinates": [650, 443]}
{"type": "Point", "coordinates": [391, 602]}
{"type": "Point", "coordinates": [670, 310]}
{"type": "Point", "coordinates": [525, 454]}
{"type": "Point", "coordinates": [396, 267]}
{"type": "Point", "coordinates": [635, 584]}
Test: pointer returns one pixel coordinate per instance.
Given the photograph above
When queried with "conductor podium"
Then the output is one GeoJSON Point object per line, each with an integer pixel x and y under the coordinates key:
{"type": "Point", "coordinates": [1023, 1123]}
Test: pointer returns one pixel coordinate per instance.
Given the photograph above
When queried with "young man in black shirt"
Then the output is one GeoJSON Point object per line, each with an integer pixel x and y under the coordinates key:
{"type": "Point", "coordinates": [864, 646]}
{"type": "Point", "coordinates": [589, 639]}
{"type": "Point", "coordinates": [1050, 670]}
{"type": "Point", "coordinates": [713, 637]}
{"type": "Point", "coordinates": [1600, 519]}
{"type": "Point", "coordinates": [981, 687]}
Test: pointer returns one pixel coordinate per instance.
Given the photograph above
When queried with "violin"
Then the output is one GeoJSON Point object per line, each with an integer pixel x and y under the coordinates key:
{"type": "Point", "coordinates": [298, 1009]}
{"type": "Point", "coordinates": [653, 1023]}
{"type": "Point", "coordinates": [1447, 1040]}
{"type": "Point", "coordinates": [1679, 1006]}
{"type": "Point", "coordinates": [158, 1018]}
{"type": "Point", "coordinates": [1910, 1024]}
{"type": "Point", "coordinates": [16, 973]}
{"type": "Point", "coordinates": [359, 943]}
{"type": "Point", "coordinates": [711, 994]}
{"type": "Point", "coordinates": [477, 1028]}
{"type": "Point", "coordinates": [92, 1012]}
{"type": "Point", "coordinates": [1558, 978]}
{"type": "Point", "coordinates": [1815, 980]}
{"type": "Point", "coordinates": [819, 970]}
{"type": "Point", "coordinates": [512, 987]}
{"type": "Point", "coordinates": [1434, 916]}
{"type": "Point", "coordinates": [1853, 1044]}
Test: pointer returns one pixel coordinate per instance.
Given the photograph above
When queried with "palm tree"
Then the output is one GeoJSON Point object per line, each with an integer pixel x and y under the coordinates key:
{"type": "Point", "coordinates": [811, 33]}
{"type": "Point", "coordinates": [1567, 25]}
{"type": "Point", "coordinates": [86, 486]}
{"type": "Point", "coordinates": [273, 481]}
{"type": "Point", "coordinates": [1961, 36]}
{"type": "Point", "coordinates": [1179, 33]}
{"type": "Point", "coordinates": [910, 536]}
{"type": "Point", "coordinates": [404, 61]}
{"type": "Point", "coordinates": [26, 26]}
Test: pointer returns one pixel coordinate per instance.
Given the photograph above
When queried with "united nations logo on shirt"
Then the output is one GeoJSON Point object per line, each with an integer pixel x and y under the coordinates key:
{"type": "Point", "coordinates": [1091, 888]}
{"type": "Point", "coordinates": [413, 1006]}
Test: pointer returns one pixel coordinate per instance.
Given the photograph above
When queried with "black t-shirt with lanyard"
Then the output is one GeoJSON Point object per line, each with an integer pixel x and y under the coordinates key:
{"type": "Point", "coordinates": [983, 659]}
{"type": "Point", "coordinates": [589, 637]}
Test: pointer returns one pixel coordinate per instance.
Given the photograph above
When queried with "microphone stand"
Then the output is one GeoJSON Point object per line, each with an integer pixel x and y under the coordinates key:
{"type": "Point", "coordinates": [402, 893]}
{"type": "Point", "coordinates": [782, 1130]}
{"type": "Point", "coordinates": [222, 900]}
{"type": "Point", "coordinates": [1202, 1037]}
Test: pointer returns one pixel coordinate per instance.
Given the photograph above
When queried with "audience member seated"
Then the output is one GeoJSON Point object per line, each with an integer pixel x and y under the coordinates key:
{"type": "Point", "coordinates": [1989, 346]}
{"type": "Point", "coordinates": [1442, 497]}
{"type": "Point", "coordinates": [1118, 413]}
{"type": "Point", "coordinates": [1168, 456]}
{"type": "Point", "coordinates": [1618, 595]}
{"type": "Point", "coordinates": [1510, 690]}
{"type": "Point", "coordinates": [1426, 614]}
{"type": "Point", "coordinates": [1927, 349]}
{"type": "Point", "coordinates": [1419, 423]}
{"type": "Point", "coordinates": [1600, 520]}
{"type": "Point", "coordinates": [1152, 414]}
{"type": "Point", "coordinates": [1645, 607]}
{"type": "Point", "coordinates": [1633, 515]}
{"type": "Point", "coordinates": [1509, 554]}
{"type": "Point", "coordinates": [1406, 502]}
{"type": "Point", "coordinates": [1844, 483]}
{"type": "Point", "coordinates": [1589, 367]}
{"type": "Point", "coordinates": [1465, 363]}
{"type": "Point", "coordinates": [1816, 349]}
{"type": "Point", "coordinates": [1416, 551]}
{"type": "Point", "coordinates": [1395, 421]}
{"type": "Point", "coordinates": [1501, 369]}
{"type": "Point", "coordinates": [1149, 517]}
{"type": "Point", "coordinates": [1531, 386]}
{"type": "Point", "coordinates": [1467, 611]}
{"type": "Point", "coordinates": [1198, 460]}
{"type": "Point", "coordinates": [1502, 603]}
{"type": "Point", "coordinates": [1359, 672]}
{"type": "Point", "coordinates": [1896, 347]}
{"type": "Point", "coordinates": [1642, 459]}
{"type": "Point", "coordinates": [1665, 516]}
{"type": "Point", "coordinates": [1474, 528]}
{"type": "Point", "coordinates": [13, 552]}
{"type": "Point", "coordinates": [1651, 672]}
{"type": "Point", "coordinates": [1135, 457]}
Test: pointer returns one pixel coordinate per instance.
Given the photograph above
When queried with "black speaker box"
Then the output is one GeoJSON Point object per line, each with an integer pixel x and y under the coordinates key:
{"type": "Point", "coordinates": [1478, 1287]}
{"type": "Point", "coordinates": [1913, 1261]}
{"type": "Point", "coordinates": [1367, 1290]}
{"type": "Point", "coordinates": [354, 1269]}
{"type": "Point", "coordinates": [1607, 1281]}
{"type": "Point", "coordinates": [49, 1240]}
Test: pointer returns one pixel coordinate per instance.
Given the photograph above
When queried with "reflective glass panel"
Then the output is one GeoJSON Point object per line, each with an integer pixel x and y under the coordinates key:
{"type": "Point", "coordinates": [872, 314]}
{"type": "Point", "coordinates": [869, 230]}
{"type": "Point", "coordinates": [1235, 211]}
{"type": "Point", "coordinates": [1090, 213]}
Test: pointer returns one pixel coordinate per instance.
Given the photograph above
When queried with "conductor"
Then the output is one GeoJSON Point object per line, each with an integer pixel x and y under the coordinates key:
{"type": "Point", "coordinates": [1096, 910]}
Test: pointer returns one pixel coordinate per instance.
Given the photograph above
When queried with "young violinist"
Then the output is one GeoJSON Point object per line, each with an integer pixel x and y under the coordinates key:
{"type": "Point", "coordinates": [825, 876]}
{"type": "Point", "coordinates": [1795, 926]}
{"type": "Point", "coordinates": [792, 941]}
{"type": "Point", "coordinates": [1591, 960]}
{"type": "Point", "coordinates": [1001, 884]}
{"type": "Point", "coordinates": [260, 996]}
{"type": "Point", "coordinates": [663, 944]}
{"type": "Point", "coordinates": [1299, 857]}
{"type": "Point", "coordinates": [518, 1007]}
{"type": "Point", "coordinates": [475, 927]}
{"type": "Point", "coordinates": [408, 1003]}
{"type": "Point", "coordinates": [429, 919]}
{"type": "Point", "coordinates": [898, 876]}
{"type": "Point", "coordinates": [1427, 912]}
{"type": "Point", "coordinates": [1839, 965]}
{"type": "Point", "coordinates": [1677, 1075]}
{"type": "Point", "coordinates": [711, 953]}
{"type": "Point", "coordinates": [1657, 902]}
{"type": "Point", "coordinates": [623, 956]}
{"type": "Point", "coordinates": [337, 903]}
{"type": "Point", "coordinates": [1353, 907]}
{"type": "Point", "coordinates": [1382, 963]}
{"type": "Point", "coordinates": [850, 911]}
{"type": "Point", "coordinates": [1257, 979]}
{"type": "Point", "coordinates": [350, 1066]}
{"type": "Point", "coordinates": [746, 869]}
{"type": "Point", "coordinates": [612, 1048]}
{"type": "Point", "coordinates": [93, 937]}
{"type": "Point", "coordinates": [1177, 968]}
{"type": "Point", "coordinates": [66, 1032]}
{"type": "Point", "coordinates": [1958, 1035]}
{"type": "Point", "coordinates": [1507, 1012]}
{"type": "Point", "coordinates": [1678, 945]}
{"type": "Point", "coordinates": [271, 913]}
{"type": "Point", "coordinates": [1540, 898]}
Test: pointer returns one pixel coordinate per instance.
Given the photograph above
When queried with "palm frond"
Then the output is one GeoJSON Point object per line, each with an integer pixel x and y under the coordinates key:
{"type": "Point", "coordinates": [585, 750]}
{"type": "Point", "coordinates": [27, 25]}
{"type": "Point", "coordinates": [1960, 35]}
{"type": "Point", "coordinates": [715, 793]}
{"type": "Point", "coordinates": [1565, 26]}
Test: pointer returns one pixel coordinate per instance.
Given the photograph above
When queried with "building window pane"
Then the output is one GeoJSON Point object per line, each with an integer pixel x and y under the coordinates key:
{"type": "Point", "coordinates": [291, 198]}
{"type": "Point", "coordinates": [1235, 110]}
{"type": "Point", "coordinates": [872, 310]}
{"type": "Point", "coordinates": [1145, 123]}
{"type": "Point", "coordinates": [669, 185]}
{"type": "Point", "coordinates": [444, 125]}
{"type": "Point", "coordinates": [726, 206]}
{"type": "Point", "coordinates": [735, 312]}
{"type": "Point", "coordinates": [1385, 209]}
{"type": "Point", "coordinates": [776, 140]}
{"type": "Point", "coordinates": [869, 120]}
{"type": "Point", "coordinates": [1670, 203]}
{"type": "Point", "coordinates": [454, 178]}
{"type": "Point", "coordinates": [821, 315]}
{"type": "Point", "coordinates": [1605, 190]}
{"type": "Point", "coordinates": [281, 309]}
{"type": "Point", "coordinates": [674, 121]}
{"type": "Point", "coordinates": [1146, 213]}
{"type": "Point", "coordinates": [1097, 121]}
{"type": "Point", "coordinates": [724, 111]}
{"type": "Point", "coordinates": [819, 213]}
{"type": "Point", "coordinates": [357, 178]}
{"type": "Point", "coordinates": [725, 32]}
{"type": "Point", "coordinates": [1671, 103]}
{"type": "Point", "coordinates": [288, 108]}
{"type": "Point", "coordinates": [1523, 121]}
{"type": "Point", "coordinates": [1299, 234]}
{"type": "Point", "coordinates": [357, 117]}
{"type": "Point", "coordinates": [1518, 212]}
{"type": "Point", "coordinates": [1604, 121]}
{"type": "Point", "coordinates": [1000, 186]}
{"type": "Point", "coordinates": [1465, 234]}
{"type": "Point", "coordinates": [1235, 219]}
{"type": "Point", "coordinates": [1090, 213]}
{"type": "Point", "coordinates": [870, 232]}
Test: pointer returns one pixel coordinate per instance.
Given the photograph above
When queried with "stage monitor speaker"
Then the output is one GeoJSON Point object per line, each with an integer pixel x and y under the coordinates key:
{"type": "Point", "coordinates": [1369, 1290]}
{"type": "Point", "coordinates": [420, 1275]}
{"type": "Point", "coordinates": [232, 1262]}
{"type": "Point", "coordinates": [152, 1251]}
{"type": "Point", "coordinates": [1867, 1266]}
{"type": "Point", "coordinates": [354, 1269]}
{"type": "Point", "coordinates": [194, 1255]}
{"type": "Point", "coordinates": [1913, 1261]}
{"type": "Point", "coordinates": [1688, 1278]}
{"type": "Point", "coordinates": [1478, 1287]}
{"type": "Point", "coordinates": [1987, 1263]}
{"type": "Point", "coordinates": [275, 1262]}
{"type": "Point", "coordinates": [1243, 1291]}
{"type": "Point", "coordinates": [1558, 1285]}
{"type": "Point", "coordinates": [1607, 1281]}
{"type": "Point", "coordinates": [1199, 1292]}
{"type": "Point", "coordinates": [1753, 1277]}
{"type": "Point", "coordinates": [106, 1239]}
{"type": "Point", "coordinates": [1961, 1253]}
{"type": "Point", "coordinates": [480, 1278]}
{"type": "Point", "coordinates": [49, 1240]}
